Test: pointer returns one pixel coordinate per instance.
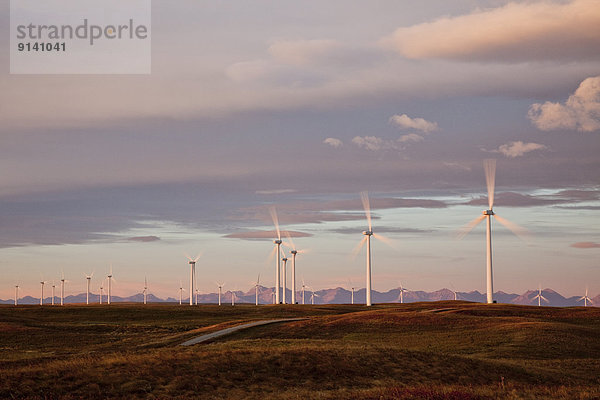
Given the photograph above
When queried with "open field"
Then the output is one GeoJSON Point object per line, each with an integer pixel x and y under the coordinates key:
{"type": "Point", "coordinates": [443, 350]}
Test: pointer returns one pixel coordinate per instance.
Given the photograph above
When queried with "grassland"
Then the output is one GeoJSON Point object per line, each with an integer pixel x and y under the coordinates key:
{"type": "Point", "coordinates": [442, 350]}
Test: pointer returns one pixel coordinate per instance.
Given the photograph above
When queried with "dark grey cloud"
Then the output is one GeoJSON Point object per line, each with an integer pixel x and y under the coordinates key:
{"type": "Point", "coordinates": [265, 234]}
{"type": "Point", "coordinates": [144, 239]}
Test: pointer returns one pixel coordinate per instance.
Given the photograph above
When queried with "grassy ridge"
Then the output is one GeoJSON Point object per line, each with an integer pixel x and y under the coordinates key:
{"type": "Point", "coordinates": [445, 350]}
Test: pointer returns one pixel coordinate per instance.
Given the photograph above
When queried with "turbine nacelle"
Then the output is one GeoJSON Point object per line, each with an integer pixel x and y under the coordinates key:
{"type": "Point", "coordinates": [488, 212]}
{"type": "Point", "coordinates": [277, 241]}
{"type": "Point", "coordinates": [284, 259]}
{"type": "Point", "coordinates": [192, 262]}
{"type": "Point", "coordinates": [294, 252]}
{"type": "Point", "coordinates": [368, 233]}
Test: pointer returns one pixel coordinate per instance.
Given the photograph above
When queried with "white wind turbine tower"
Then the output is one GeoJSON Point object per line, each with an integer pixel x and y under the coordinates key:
{"type": "Point", "coordinates": [586, 298]}
{"type": "Point", "coordinates": [402, 290]}
{"type": "Point", "coordinates": [192, 263]}
{"type": "Point", "coordinates": [181, 293]}
{"type": "Point", "coordinates": [278, 254]}
{"type": "Point", "coordinates": [539, 297]}
{"type": "Point", "coordinates": [312, 298]}
{"type": "Point", "coordinates": [284, 259]}
{"type": "Point", "coordinates": [16, 295]}
{"type": "Point", "coordinates": [256, 290]}
{"type": "Point", "coordinates": [101, 290]}
{"type": "Point", "coordinates": [220, 285]}
{"type": "Point", "coordinates": [42, 282]}
{"type": "Point", "coordinates": [294, 252]}
{"type": "Point", "coordinates": [53, 287]}
{"type": "Point", "coordinates": [233, 296]}
{"type": "Point", "coordinates": [87, 293]}
{"type": "Point", "coordinates": [352, 298]}
{"type": "Point", "coordinates": [110, 276]}
{"type": "Point", "coordinates": [145, 290]}
{"type": "Point", "coordinates": [303, 289]}
{"type": "Point", "coordinates": [62, 287]}
{"type": "Point", "coordinates": [490, 177]}
{"type": "Point", "coordinates": [368, 233]}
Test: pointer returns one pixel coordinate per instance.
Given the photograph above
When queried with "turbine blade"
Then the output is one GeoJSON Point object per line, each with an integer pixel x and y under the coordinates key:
{"type": "Point", "coordinates": [289, 237]}
{"type": "Point", "coordinates": [521, 232]}
{"type": "Point", "coordinates": [489, 166]}
{"type": "Point", "coordinates": [545, 299]}
{"type": "Point", "coordinates": [272, 254]}
{"type": "Point", "coordinates": [273, 212]}
{"type": "Point", "coordinates": [462, 232]}
{"type": "Point", "coordinates": [385, 240]}
{"type": "Point", "coordinates": [358, 247]}
{"type": "Point", "coordinates": [364, 196]}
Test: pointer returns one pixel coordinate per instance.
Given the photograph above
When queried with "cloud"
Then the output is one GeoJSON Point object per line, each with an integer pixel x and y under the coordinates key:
{"type": "Point", "coordinates": [518, 149]}
{"type": "Point", "coordinates": [333, 142]}
{"type": "Point", "coordinates": [586, 245]}
{"type": "Point", "coordinates": [512, 199]}
{"type": "Point", "coordinates": [265, 234]}
{"type": "Point", "coordinates": [516, 32]}
{"type": "Point", "coordinates": [580, 112]}
{"type": "Point", "coordinates": [276, 191]}
{"type": "Point", "coordinates": [405, 122]}
{"type": "Point", "coordinates": [380, 229]}
{"type": "Point", "coordinates": [372, 143]}
{"type": "Point", "coordinates": [411, 138]}
{"type": "Point", "coordinates": [302, 52]}
{"type": "Point", "coordinates": [144, 239]}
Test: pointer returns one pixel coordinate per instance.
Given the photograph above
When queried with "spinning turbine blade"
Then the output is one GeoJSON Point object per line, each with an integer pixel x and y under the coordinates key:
{"type": "Point", "coordinates": [385, 240]}
{"type": "Point", "coordinates": [364, 196]}
{"type": "Point", "coordinates": [358, 247]}
{"type": "Point", "coordinates": [273, 212]}
{"type": "Point", "coordinates": [291, 243]}
{"type": "Point", "coordinates": [490, 178]}
{"type": "Point", "coordinates": [514, 228]}
{"type": "Point", "coordinates": [469, 227]}
{"type": "Point", "coordinates": [272, 254]}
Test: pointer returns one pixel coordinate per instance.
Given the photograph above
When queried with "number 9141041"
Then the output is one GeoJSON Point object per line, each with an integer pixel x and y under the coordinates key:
{"type": "Point", "coordinates": [42, 46]}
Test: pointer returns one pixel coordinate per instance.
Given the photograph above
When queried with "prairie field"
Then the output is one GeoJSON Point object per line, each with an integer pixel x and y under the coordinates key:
{"type": "Point", "coordinates": [438, 350]}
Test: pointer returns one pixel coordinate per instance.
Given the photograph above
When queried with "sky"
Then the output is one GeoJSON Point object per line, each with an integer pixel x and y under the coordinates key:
{"type": "Point", "coordinates": [301, 105]}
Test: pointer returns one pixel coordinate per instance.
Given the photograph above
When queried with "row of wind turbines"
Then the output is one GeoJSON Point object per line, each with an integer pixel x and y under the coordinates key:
{"type": "Point", "coordinates": [279, 295]}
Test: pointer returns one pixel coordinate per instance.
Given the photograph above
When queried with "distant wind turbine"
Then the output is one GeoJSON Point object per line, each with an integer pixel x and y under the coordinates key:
{"type": "Point", "coordinates": [312, 298]}
{"type": "Point", "coordinates": [539, 297]}
{"type": "Point", "coordinates": [180, 292]}
{"type": "Point", "coordinates": [16, 295]}
{"type": "Point", "coordinates": [42, 282]}
{"type": "Point", "coordinates": [256, 289]}
{"type": "Point", "coordinates": [294, 252]}
{"type": "Point", "coordinates": [101, 290]}
{"type": "Point", "coordinates": [110, 276]}
{"type": "Point", "coordinates": [220, 285]}
{"type": "Point", "coordinates": [53, 287]}
{"type": "Point", "coordinates": [303, 289]}
{"type": "Point", "coordinates": [87, 293]}
{"type": "Point", "coordinates": [586, 298]}
{"type": "Point", "coordinates": [490, 177]}
{"type": "Point", "coordinates": [277, 242]}
{"type": "Point", "coordinates": [402, 290]}
{"type": "Point", "coordinates": [145, 290]}
{"type": "Point", "coordinates": [192, 263]}
{"type": "Point", "coordinates": [62, 287]}
{"type": "Point", "coordinates": [367, 239]}
{"type": "Point", "coordinates": [233, 296]}
{"type": "Point", "coordinates": [284, 259]}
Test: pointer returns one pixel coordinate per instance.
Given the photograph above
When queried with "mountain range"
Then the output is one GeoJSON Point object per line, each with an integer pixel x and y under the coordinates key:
{"type": "Point", "coordinates": [336, 296]}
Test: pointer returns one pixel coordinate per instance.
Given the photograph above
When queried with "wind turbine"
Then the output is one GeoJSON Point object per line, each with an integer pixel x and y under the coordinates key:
{"type": "Point", "coordinates": [16, 295]}
{"type": "Point", "coordinates": [312, 298]}
{"type": "Point", "coordinates": [539, 297]}
{"type": "Point", "coordinates": [586, 298]}
{"type": "Point", "coordinates": [402, 290]}
{"type": "Point", "coordinates": [284, 259]}
{"type": "Point", "coordinates": [233, 297]}
{"type": "Point", "coordinates": [220, 285]}
{"type": "Point", "coordinates": [192, 263]}
{"type": "Point", "coordinates": [489, 166]}
{"type": "Point", "coordinates": [87, 293]}
{"type": "Point", "coordinates": [42, 282]}
{"type": "Point", "coordinates": [278, 255]}
{"type": "Point", "coordinates": [62, 287]}
{"type": "Point", "coordinates": [180, 293]}
{"type": "Point", "coordinates": [294, 252]}
{"type": "Point", "coordinates": [101, 290]}
{"type": "Point", "coordinates": [303, 288]}
{"type": "Point", "coordinates": [256, 289]}
{"type": "Point", "coordinates": [368, 233]}
{"type": "Point", "coordinates": [110, 275]}
{"type": "Point", "coordinates": [53, 287]}
{"type": "Point", "coordinates": [145, 290]}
